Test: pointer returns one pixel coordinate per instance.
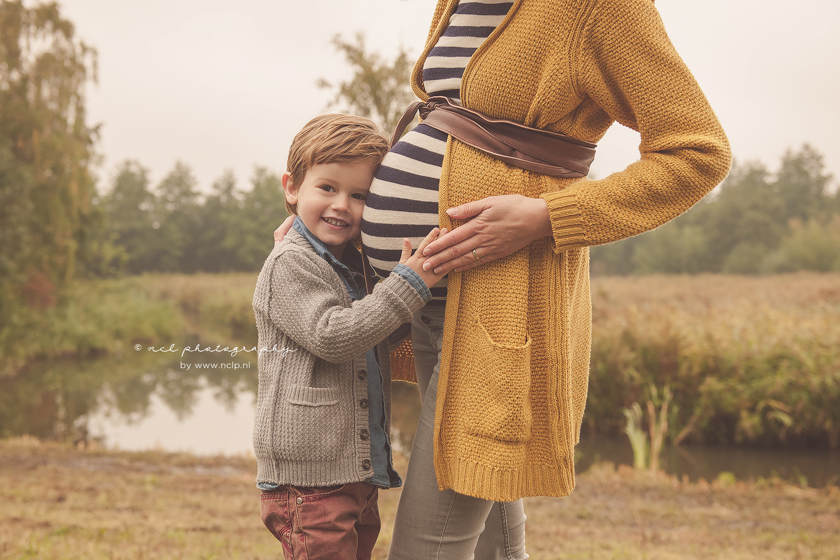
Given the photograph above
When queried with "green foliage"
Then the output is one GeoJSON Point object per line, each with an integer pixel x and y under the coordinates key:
{"type": "Point", "coordinates": [379, 89]}
{"type": "Point", "coordinates": [15, 206]}
{"type": "Point", "coordinates": [129, 217]}
{"type": "Point", "coordinates": [752, 224]}
{"type": "Point", "coordinates": [742, 360]}
{"type": "Point", "coordinates": [809, 246]}
{"type": "Point", "coordinates": [749, 360]}
{"type": "Point", "coordinates": [216, 221]}
{"type": "Point", "coordinates": [102, 316]}
{"type": "Point", "coordinates": [46, 148]}
{"type": "Point", "coordinates": [262, 209]}
{"type": "Point", "coordinates": [175, 229]}
{"type": "Point", "coordinates": [107, 317]}
{"type": "Point", "coordinates": [636, 434]}
{"type": "Point", "coordinates": [671, 252]}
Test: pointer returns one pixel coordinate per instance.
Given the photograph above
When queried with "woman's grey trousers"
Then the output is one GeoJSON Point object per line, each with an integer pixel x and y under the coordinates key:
{"type": "Point", "coordinates": [431, 524]}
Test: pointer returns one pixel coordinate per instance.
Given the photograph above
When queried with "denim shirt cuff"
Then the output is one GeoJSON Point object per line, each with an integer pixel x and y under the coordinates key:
{"type": "Point", "coordinates": [407, 274]}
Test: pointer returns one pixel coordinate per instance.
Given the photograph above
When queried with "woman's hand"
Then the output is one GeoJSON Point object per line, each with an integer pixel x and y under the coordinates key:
{"type": "Point", "coordinates": [500, 225]}
{"type": "Point", "coordinates": [284, 228]}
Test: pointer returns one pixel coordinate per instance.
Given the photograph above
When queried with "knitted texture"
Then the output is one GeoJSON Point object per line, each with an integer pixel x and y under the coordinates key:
{"type": "Point", "coordinates": [311, 426]}
{"type": "Point", "coordinates": [517, 337]}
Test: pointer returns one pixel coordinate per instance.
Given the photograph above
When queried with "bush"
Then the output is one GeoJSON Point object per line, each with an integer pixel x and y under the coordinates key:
{"type": "Point", "coordinates": [750, 360]}
{"type": "Point", "coordinates": [809, 246]}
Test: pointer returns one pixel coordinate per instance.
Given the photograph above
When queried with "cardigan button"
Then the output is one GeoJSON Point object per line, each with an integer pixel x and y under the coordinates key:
{"type": "Point", "coordinates": [362, 374]}
{"type": "Point", "coordinates": [365, 435]}
{"type": "Point", "coordinates": [363, 403]}
{"type": "Point", "coordinates": [366, 464]}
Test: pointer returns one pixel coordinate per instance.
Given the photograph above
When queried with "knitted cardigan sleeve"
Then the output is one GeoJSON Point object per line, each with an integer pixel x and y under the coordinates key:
{"type": "Point", "coordinates": [625, 63]}
{"type": "Point", "coordinates": [307, 307]}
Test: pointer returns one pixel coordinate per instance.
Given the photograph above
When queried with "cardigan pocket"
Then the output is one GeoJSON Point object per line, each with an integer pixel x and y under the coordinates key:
{"type": "Point", "coordinates": [499, 388]}
{"type": "Point", "coordinates": [312, 396]}
{"type": "Point", "coordinates": [313, 426]}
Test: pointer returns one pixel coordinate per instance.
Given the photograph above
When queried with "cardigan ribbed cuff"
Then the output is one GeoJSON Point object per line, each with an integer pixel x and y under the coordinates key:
{"type": "Point", "coordinates": [405, 291]}
{"type": "Point", "coordinates": [566, 220]}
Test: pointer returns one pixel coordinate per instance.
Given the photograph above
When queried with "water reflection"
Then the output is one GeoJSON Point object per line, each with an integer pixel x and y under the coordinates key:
{"type": "Point", "coordinates": [812, 467]}
{"type": "Point", "coordinates": [56, 399]}
{"type": "Point", "coordinates": [204, 403]}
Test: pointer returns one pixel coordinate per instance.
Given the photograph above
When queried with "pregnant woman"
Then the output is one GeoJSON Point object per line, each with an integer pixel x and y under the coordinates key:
{"type": "Point", "coordinates": [502, 352]}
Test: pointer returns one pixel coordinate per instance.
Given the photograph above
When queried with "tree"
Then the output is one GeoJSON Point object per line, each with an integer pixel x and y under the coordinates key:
{"type": "Point", "coordinates": [671, 249]}
{"type": "Point", "coordinates": [379, 89]}
{"type": "Point", "coordinates": [743, 223]}
{"type": "Point", "coordinates": [263, 208]}
{"type": "Point", "coordinates": [802, 185]}
{"type": "Point", "coordinates": [217, 218]}
{"type": "Point", "coordinates": [176, 221]}
{"type": "Point", "coordinates": [46, 147]}
{"type": "Point", "coordinates": [43, 74]}
{"type": "Point", "coordinates": [809, 246]}
{"type": "Point", "coordinates": [757, 222]}
{"type": "Point", "coordinates": [129, 209]}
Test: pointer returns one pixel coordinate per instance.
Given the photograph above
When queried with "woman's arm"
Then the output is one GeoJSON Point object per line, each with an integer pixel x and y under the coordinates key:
{"type": "Point", "coordinates": [625, 64]}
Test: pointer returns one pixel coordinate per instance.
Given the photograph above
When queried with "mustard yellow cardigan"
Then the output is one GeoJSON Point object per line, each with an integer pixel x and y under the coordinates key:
{"type": "Point", "coordinates": [515, 363]}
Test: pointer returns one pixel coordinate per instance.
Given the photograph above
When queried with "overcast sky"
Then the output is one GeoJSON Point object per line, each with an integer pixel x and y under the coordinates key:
{"type": "Point", "coordinates": [226, 84]}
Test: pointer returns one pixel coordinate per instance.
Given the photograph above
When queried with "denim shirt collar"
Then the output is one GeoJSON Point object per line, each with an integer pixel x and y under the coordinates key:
{"type": "Point", "coordinates": [351, 254]}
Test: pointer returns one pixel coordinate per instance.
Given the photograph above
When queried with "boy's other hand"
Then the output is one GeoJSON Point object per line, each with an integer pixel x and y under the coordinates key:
{"type": "Point", "coordinates": [415, 261]}
{"type": "Point", "coordinates": [284, 228]}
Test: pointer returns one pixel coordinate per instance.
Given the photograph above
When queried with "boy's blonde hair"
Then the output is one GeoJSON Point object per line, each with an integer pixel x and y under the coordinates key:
{"type": "Point", "coordinates": [334, 138]}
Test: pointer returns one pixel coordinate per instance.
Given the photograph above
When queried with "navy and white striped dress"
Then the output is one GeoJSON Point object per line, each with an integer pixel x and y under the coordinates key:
{"type": "Point", "coordinates": [403, 199]}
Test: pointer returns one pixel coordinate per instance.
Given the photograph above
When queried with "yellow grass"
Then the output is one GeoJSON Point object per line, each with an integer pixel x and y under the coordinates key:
{"type": "Point", "coordinates": [57, 502]}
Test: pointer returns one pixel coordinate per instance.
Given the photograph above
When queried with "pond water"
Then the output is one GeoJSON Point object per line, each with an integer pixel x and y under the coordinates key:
{"type": "Point", "coordinates": [204, 403]}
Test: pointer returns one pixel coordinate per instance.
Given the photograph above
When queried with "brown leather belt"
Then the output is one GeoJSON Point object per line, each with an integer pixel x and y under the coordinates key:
{"type": "Point", "coordinates": [533, 149]}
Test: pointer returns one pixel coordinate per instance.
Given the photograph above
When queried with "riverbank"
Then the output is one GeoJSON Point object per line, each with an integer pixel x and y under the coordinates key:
{"type": "Point", "coordinates": [60, 502]}
{"type": "Point", "coordinates": [743, 360]}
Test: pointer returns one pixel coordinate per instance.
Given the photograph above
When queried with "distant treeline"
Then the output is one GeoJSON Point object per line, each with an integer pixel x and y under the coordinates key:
{"type": "Point", "coordinates": [756, 222]}
{"type": "Point", "coordinates": [174, 228]}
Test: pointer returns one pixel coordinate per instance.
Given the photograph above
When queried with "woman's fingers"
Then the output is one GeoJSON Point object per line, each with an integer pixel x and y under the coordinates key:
{"type": "Point", "coordinates": [456, 248]}
{"type": "Point", "coordinates": [461, 257]}
{"type": "Point", "coordinates": [426, 240]}
{"type": "Point", "coordinates": [406, 251]}
{"type": "Point", "coordinates": [469, 261]}
{"type": "Point", "coordinates": [468, 210]}
{"type": "Point", "coordinates": [501, 225]}
{"type": "Point", "coordinates": [454, 237]}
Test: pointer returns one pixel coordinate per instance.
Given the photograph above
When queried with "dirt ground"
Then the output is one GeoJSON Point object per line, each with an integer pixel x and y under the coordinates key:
{"type": "Point", "coordinates": [59, 502]}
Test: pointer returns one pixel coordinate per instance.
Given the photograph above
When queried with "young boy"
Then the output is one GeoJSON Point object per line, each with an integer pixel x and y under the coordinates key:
{"type": "Point", "coordinates": [321, 431]}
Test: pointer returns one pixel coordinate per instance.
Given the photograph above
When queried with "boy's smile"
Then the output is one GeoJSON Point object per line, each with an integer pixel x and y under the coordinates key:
{"type": "Point", "coordinates": [331, 199]}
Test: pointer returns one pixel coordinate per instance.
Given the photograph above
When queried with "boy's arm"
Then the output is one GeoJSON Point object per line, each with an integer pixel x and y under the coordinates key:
{"type": "Point", "coordinates": [396, 338]}
{"type": "Point", "coordinates": [307, 308]}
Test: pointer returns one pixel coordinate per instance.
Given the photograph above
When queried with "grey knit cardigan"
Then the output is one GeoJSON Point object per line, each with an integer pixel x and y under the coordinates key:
{"type": "Point", "coordinates": [311, 426]}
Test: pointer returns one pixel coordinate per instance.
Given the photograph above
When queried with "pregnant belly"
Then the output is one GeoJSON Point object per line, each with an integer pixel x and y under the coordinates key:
{"type": "Point", "coordinates": [403, 199]}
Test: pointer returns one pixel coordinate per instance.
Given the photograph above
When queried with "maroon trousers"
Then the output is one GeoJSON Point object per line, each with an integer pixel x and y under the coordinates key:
{"type": "Point", "coordinates": [334, 522]}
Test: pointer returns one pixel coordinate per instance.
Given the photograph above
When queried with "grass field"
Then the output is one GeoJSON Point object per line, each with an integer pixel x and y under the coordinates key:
{"type": "Point", "coordinates": [59, 502]}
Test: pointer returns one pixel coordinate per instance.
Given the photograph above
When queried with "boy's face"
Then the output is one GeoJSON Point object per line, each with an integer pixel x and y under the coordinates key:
{"type": "Point", "coordinates": [331, 199]}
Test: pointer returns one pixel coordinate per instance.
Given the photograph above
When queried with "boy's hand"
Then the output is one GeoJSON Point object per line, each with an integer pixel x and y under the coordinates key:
{"type": "Point", "coordinates": [415, 261]}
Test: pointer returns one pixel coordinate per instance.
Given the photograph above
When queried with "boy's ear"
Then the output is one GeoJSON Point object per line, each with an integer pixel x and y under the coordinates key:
{"type": "Point", "coordinates": [289, 188]}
